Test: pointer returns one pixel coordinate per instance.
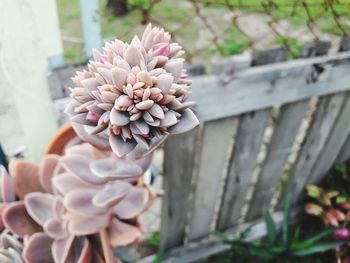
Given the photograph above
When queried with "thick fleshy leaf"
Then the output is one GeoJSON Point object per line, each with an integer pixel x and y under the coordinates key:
{"type": "Point", "coordinates": [79, 166]}
{"type": "Point", "coordinates": [61, 248]}
{"type": "Point", "coordinates": [115, 168]}
{"type": "Point", "coordinates": [25, 176]}
{"type": "Point", "coordinates": [144, 162]}
{"type": "Point", "coordinates": [47, 170]}
{"type": "Point", "coordinates": [141, 152]}
{"type": "Point", "coordinates": [133, 56]}
{"type": "Point", "coordinates": [119, 76]}
{"type": "Point", "coordinates": [132, 204]}
{"type": "Point", "coordinates": [141, 141]}
{"type": "Point", "coordinates": [66, 182]}
{"type": "Point", "coordinates": [120, 147]}
{"type": "Point", "coordinates": [38, 249]}
{"type": "Point", "coordinates": [164, 82]}
{"type": "Point", "coordinates": [174, 66]}
{"type": "Point", "coordinates": [119, 118]}
{"type": "Point", "coordinates": [169, 119]}
{"type": "Point", "coordinates": [18, 221]}
{"type": "Point", "coordinates": [111, 194]}
{"type": "Point", "coordinates": [80, 251]}
{"type": "Point", "coordinates": [7, 189]}
{"type": "Point", "coordinates": [87, 225]}
{"type": "Point", "coordinates": [97, 140]}
{"type": "Point", "coordinates": [56, 228]}
{"type": "Point", "coordinates": [41, 207]}
{"type": "Point", "coordinates": [187, 121]}
{"type": "Point", "coordinates": [80, 202]}
{"type": "Point", "coordinates": [10, 241]}
{"type": "Point", "coordinates": [157, 111]}
{"type": "Point", "coordinates": [122, 234]}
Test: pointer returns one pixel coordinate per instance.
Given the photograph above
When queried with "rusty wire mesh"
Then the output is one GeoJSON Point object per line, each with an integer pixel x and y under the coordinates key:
{"type": "Point", "coordinates": [208, 29]}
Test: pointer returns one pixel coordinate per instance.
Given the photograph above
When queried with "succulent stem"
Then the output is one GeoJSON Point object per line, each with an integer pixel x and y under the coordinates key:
{"type": "Point", "coordinates": [106, 247]}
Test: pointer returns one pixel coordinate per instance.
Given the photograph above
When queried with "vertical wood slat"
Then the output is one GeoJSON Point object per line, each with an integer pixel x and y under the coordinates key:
{"type": "Point", "coordinates": [179, 155]}
{"type": "Point", "coordinates": [247, 145]}
{"type": "Point", "coordinates": [213, 158]}
{"type": "Point", "coordinates": [335, 141]}
{"type": "Point", "coordinates": [321, 126]}
{"type": "Point", "coordinates": [344, 153]}
{"type": "Point", "coordinates": [286, 129]}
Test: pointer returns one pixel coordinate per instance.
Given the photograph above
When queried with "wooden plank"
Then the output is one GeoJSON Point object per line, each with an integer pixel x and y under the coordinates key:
{"type": "Point", "coordinates": [179, 155]}
{"type": "Point", "coordinates": [315, 49]}
{"type": "Point", "coordinates": [266, 86]}
{"type": "Point", "coordinates": [286, 129]}
{"type": "Point", "coordinates": [202, 249]}
{"type": "Point", "coordinates": [344, 44]}
{"type": "Point", "coordinates": [247, 145]}
{"type": "Point", "coordinates": [316, 138]}
{"type": "Point", "coordinates": [344, 153]}
{"type": "Point", "coordinates": [212, 162]}
{"type": "Point", "coordinates": [335, 141]}
{"type": "Point", "coordinates": [263, 57]}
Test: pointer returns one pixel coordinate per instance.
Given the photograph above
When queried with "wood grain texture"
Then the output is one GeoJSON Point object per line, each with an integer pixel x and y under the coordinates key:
{"type": "Point", "coordinates": [335, 141]}
{"type": "Point", "coordinates": [344, 153]}
{"type": "Point", "coordinates": [326, 114]}
{"type": "Point", "coordinates": [286, 129]}
{"type": "Point", "coordinates": [247, 145]}
{"type": "Point", "coordinates": [265, 86]}
{"type": "Point", "coordinates": [211, 165]}
{"type": "Point", "coordinates": [178, 165]}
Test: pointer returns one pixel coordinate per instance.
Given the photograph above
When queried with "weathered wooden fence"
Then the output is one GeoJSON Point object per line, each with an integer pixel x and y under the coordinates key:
{"type": "Point", "coordinates": [228, 171]}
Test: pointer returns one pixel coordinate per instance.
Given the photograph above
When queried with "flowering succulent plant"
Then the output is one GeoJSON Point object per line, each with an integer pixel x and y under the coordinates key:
{"type": "Point", "coordinates": [70, 198]}
{"type": "Point", "coordinates": [133, 95]}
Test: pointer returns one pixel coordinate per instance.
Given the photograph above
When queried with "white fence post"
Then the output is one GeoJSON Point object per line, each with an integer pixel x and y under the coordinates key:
{"type": "Point", "coordinates": [91, 22]}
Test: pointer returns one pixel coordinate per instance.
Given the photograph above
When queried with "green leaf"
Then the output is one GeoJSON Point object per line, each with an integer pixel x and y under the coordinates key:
{"type": "Point", "coordinates": [285, 224]}
{"type": "Point", "coordinates": [313, 191]}
{"type": "Point", "coordinates": [317, 248]}
{"type": "Point", "coordinates": [321, 235]}
{"type": "Point", "coordinates": [223, 237]}
{"type": "Point", "coordinates": [270, 227]}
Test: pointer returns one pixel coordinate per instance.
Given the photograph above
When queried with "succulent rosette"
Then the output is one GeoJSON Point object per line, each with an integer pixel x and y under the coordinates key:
{"type": "Point", "coordinates": [133, 95]}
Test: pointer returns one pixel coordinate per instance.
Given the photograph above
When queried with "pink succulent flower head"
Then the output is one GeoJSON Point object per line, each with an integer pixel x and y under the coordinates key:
{"type": "Point", "coordinates": [133, 95]}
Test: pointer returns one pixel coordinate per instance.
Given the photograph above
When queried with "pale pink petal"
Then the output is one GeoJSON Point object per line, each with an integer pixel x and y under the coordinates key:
{"type": "Point", "coordinates": [164, 82]}
{"type": "Point", "coordinates": [61, 248]}
{"type": "Point", "coordinates": [79, 166]}
{"type": "Point", "coordinates": [169, 119]}
{"type": "Point", "coordinates": [119, 118]}
{"type": "Point", "coordinates": [66, 182]}
{"type": "Point", "coordinates": [115, 168]}
{"type": "Point", "coordinates": [132, 204]}
{"type": "Point", "coordinates": [119, 76]}
{"type": "Point", "coordinates": [86, 225]}
{"type": "Point", "coordinates": [133, 56]}
{"type": "Point", "coordinates": [187, 121]}
{"type": "Point", "coordinates": [122, 234]}
{"type": "Point", "coordinates": [120, 147]}
{"type": "Point", "coordinates": [97, 140]}
{"type": "Point", "coordinates": [111, 194]}
{"type": "Point", "coordinates": [38, 249]}
{"type": "Point", "coordinates": [80, 202]}
{"type": "Point", "coordinates": [157, 111]}
{"type": "Point", "coordinates": [56, 228]}
{"type": "Point", "coordinates": [47, 170]}
{"type": "Point", "coordinates": [41, 207]}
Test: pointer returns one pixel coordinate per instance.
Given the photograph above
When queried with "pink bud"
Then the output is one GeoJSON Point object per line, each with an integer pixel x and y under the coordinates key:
{"type": "Point", "coordinates": [161, 49]}
{"type": "Point", "coordinates": [342, 233]}
{"type": "Point", "coordinates": [93, 117]}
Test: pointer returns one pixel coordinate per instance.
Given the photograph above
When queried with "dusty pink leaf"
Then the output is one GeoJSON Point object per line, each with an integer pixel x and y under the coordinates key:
{"type": "Point", "coordinates": [18, 221]}
{"type": "Point", "coordinates": [47, 170]}
{"type": "Point", "coordinates": [187, 121]}
{"type": "Point", "coordinates": [122, 234]}
{"type": "Point", "coordinates": [61, 248]}
{"type": "Point", "coordinates": [111, 194]}
{"type": "Point", "coordinates": [25, 176]}
{"type": "Point", "coordinates": [79, 166]}
{"type": "Point", "coordinates": [66, 182]}
{"type": "Point", "coordinates": [87, 225]}
{"type": "Point", "coordinates": [38, 249]}
{"type": "Point", "coordinates": [80, 202]}
{"type": "Point", "coordinates": [41, 207]}
{"type": "Point", "coordinates": [132, 204]}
